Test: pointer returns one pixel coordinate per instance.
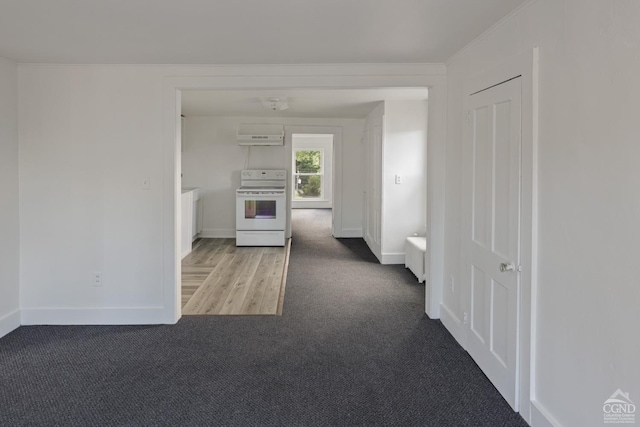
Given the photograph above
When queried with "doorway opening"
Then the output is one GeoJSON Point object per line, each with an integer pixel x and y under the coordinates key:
{"type": "Point", "coordinates": [312, 183]}
{"type": "Point", "coordinates": [315, 162]}
{"type": "Point", "coordinates": [312, 171]}
{"type": "Point", "coordinates": [356, 95]}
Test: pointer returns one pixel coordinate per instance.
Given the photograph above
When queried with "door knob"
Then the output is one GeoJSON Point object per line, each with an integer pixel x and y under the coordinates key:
{"type": "Point", "coordinates": [504, 267]}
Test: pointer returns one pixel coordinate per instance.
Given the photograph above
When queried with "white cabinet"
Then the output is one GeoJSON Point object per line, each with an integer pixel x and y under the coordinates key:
{"type": "Point", "coordinates": [191, 217]}
{"type": "Point", "coordinates": [196, 215]}
{"type": "Point", "coordinates": [186, 205]}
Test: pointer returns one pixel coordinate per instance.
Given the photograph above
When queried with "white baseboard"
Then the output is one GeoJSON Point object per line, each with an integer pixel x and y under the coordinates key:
{"type": "Point", "coordinates": [452, 323]}
{"type": "Point", "coordinates": [9, 322]}
{"type": "Point", "coordinates": [397, 258]}
{"type": "Point", "coordinates": [218, 233]}
{"type": "Point", "coordinates": [93, 316]}
{"type": "Point", "coordinates": [348, 233]}
{"type": "Point", "coordinates": [540, 417]}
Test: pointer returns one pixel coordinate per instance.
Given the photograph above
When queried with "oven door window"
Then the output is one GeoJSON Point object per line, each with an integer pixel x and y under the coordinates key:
{"type": "Point", "coordinates": [260, 209]}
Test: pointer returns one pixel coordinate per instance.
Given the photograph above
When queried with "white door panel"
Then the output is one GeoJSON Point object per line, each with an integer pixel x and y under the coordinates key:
{"type": "Point", "coordinates": [491, 234]}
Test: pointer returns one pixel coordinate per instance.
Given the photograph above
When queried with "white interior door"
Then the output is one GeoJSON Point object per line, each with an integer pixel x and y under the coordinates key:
{"type": "Point", "coordinates": [492, 232]}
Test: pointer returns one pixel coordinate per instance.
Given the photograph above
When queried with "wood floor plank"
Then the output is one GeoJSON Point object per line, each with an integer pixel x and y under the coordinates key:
{"type": "Point", "coordinates": [224, 284]}
{"type": "Point", "coordinates": [219, 278]}
{"type": "Point", "coordinates": [196, 270]}
{"type": "Point", "coordinates": [272, 291]}
{"type": "Point", "coordinates": [200, 247]}
{"type": "Point", "coordinates": [209, 254]}
{"type": "Point", "coordinates": [253, 302]}
{"type": "Point", "coordinates": [213, 258]}
{"type": "Point", "coordinates": [240, 288]}
{"type": "Point", "coordinates": [205, 293]}
{"type": "Point", "coordinates": [283, 282]}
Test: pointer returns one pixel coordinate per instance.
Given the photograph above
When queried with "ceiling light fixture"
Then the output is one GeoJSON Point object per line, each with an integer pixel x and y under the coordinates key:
{"type": "Point", "coordinates": [275, 104]}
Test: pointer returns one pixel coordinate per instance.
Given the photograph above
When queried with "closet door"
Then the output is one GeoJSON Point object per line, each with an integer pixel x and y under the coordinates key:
{"type": "Point", "coordinates": [492, 232]}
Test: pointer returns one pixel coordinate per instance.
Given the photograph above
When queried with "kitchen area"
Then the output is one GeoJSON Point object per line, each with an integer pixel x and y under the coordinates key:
{"type": "Point", "coordinates": [237, 268]}
{"type": "Point", "coordinates": [215, 165]}
{"type": "Point", "coordinates": [212, 158]}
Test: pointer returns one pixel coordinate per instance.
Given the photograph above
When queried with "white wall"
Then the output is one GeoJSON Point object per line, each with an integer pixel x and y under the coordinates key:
{"type": "Point", "coordinates": [586, 312]}
{"type": "Point", "coordinates": [325, 144]}
{"type": "Point", "coordinates": [90, 135]}
{"type": "Point", "coordinates": [395, 145]}
{"type": "Point", "coordinates": [404, 154]}
{"type": "Point", "coordinates": [9, 208]}
{"type": "Point", "coordinates": [212, 160]}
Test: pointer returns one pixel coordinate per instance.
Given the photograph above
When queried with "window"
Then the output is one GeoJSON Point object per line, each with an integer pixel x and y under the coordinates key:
{"type": "Point", "coordinates": [311, 183]}
{"type": "Point", "coordinates": [308, 176]}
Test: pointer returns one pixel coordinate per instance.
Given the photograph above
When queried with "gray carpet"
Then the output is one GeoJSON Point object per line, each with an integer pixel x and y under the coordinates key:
{"type": "Point", "coordinates": [353, 347]}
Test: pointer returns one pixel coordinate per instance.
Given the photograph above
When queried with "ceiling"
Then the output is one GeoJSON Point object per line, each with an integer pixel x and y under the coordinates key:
{"type": "Point", "coordinates": [242, 31]}
{"type": "Point", "coordinates": [222, 32]}
{"type": "Point", "coordinates": [306, 103]}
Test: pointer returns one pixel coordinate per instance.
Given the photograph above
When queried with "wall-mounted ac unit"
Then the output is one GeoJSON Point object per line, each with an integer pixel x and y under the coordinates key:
{"type": "Point", "coordinates": [260, 134]}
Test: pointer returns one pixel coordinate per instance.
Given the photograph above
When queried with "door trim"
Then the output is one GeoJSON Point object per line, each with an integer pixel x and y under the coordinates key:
{"type": "Point", "coordinates": [526, 67]}
{"type": "Point", "coordinates": [430, 76]}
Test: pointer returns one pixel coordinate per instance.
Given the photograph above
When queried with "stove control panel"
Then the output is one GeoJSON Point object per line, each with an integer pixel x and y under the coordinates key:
{"type": "Point", "coordinates": [258, 174]}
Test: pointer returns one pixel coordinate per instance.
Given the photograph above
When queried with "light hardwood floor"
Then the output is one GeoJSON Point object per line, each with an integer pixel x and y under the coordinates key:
{"type": "Point", "coordinates": [219, 278]}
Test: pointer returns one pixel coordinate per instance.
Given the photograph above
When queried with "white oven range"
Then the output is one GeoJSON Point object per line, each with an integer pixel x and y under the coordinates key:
{"type": "Point", "coordinates": [261, 215]}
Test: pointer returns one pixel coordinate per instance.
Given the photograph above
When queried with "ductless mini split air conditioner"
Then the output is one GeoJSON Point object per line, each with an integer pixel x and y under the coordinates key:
{"type": "Point", "coordinates": [260, 134]}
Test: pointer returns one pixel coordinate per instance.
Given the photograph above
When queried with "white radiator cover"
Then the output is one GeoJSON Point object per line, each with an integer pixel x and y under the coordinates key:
{"type": "Point", "coordinates": [415, 249]}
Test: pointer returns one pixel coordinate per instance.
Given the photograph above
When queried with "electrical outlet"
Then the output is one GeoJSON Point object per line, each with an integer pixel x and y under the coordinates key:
{"type": "Point", "coordinates": [466, 318]}
{"type": "Point", "coordinates": [398, 179]}
{"type": "Point", "coordinates": [146, 183]}
{"type": "Point", "coordinates": [97, 278]}
{"type": "Point", "coordinates": [452, 285]}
